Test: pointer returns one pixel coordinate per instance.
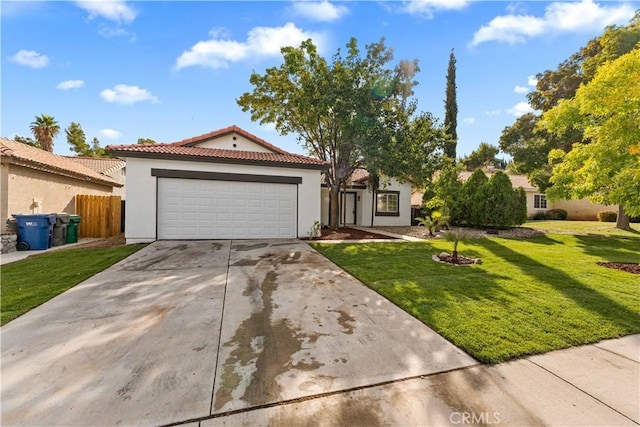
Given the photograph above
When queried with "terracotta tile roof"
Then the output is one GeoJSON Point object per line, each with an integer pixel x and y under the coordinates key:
{"type": "Point", "coordinates": [102, 165]}
{"type": "Point", "coordinates": [38, 159]}
{"type": "Point", "coordinates": [357, 178]}
{"type": "Point", "coordinates": [516, 180]}
{"type": "Point", "coordinates": [231, 129]}
{"type": "Point", "coordinates": [173, 151]}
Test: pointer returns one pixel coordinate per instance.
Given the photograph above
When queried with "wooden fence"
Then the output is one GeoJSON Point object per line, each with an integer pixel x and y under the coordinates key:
{"type": "Point", "coordinates": [101, 215]}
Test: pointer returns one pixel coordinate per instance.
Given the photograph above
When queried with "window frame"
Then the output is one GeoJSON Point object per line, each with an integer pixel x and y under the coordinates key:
{"type": "Point", "coordinates": [539, 200]}
{"type": "Point", "coordinates": [388, 193]}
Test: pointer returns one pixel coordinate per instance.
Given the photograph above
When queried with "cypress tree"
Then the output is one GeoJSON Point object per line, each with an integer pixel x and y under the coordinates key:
{"type": "Point", "coordinates": [451, 108]}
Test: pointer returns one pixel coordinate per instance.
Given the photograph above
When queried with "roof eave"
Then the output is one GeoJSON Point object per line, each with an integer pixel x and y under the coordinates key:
{"type": "Point", "coordinates": [62, 172]}
{"type": "Point", "coordinates": [186, 157]}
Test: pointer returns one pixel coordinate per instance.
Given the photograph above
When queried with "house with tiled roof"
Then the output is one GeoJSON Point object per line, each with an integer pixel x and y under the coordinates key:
{"type": "Point", "coordinates": [37, 181]}
{"type": "Point", "coordinates": [110, 167]}
{"type": "Point", "coordinates": [226, 184]}
{"type": "Point", "coordinates": [537, 203]}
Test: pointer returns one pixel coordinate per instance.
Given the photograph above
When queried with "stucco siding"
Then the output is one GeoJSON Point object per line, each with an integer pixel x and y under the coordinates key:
{"type": "Point", "coordinates": [227, 142]}
{"type": "Point", "coordinates": [4, 193]}
{"type": "Point", "coordinates": [141, 210]}
{"type": "Point", "coordinates": [364, 206]}
{"type": "Point", "coordinates": [582, 210]}
{"type": "Point", "coordinates": [31, 191]}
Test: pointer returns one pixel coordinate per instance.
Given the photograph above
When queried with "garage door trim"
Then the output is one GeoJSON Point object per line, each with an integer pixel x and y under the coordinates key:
{"type": "Point", "coordinates": [220, 176]}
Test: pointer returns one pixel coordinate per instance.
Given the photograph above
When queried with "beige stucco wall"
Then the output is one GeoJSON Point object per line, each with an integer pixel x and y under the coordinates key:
{"type": "Point", "coordinates": [4, 194]}
{"type": "Point", "coordinates": [120, 176]}
{"type": "Point", "coordinates": [31, 191]}
{"type": "Point", "coordinates": [582, 210]}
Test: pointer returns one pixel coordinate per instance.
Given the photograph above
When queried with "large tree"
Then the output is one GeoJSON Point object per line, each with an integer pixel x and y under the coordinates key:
{"type": "Point", "coordinates": [348, 111]}
{"type": "Point", "coordinates": [529, 144]}
{"type": "Point", "coordinates": [483, 156]}
{"type": "Point", "coordinates": [451, 108]}
{"type": "Point", "coordinates": [77, 139]}
{"type": "Point", "coordinates": [607, 168]}
{"type": "Point", "coordinates": [45, 128]}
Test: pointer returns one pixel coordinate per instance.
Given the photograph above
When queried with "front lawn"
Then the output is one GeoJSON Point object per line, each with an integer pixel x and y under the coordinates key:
{"type": "Point", "coordinates": [528, 296]}
{"type": "Point", "coordinates": [583, 227]}
{"type": "Point", "coordinates": [33, 281]}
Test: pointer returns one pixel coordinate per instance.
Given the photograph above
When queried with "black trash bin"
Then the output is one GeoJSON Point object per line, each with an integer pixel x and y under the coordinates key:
{"type": "Point", "coordinates": [60, 229]}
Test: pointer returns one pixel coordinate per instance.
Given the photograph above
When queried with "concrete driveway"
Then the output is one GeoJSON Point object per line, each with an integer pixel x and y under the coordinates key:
{"type": "Point", "coordinates": [197, 331]}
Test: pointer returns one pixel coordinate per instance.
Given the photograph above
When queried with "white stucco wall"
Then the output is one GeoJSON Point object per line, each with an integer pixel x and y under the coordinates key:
{"type": "Point", "coordinates": [363, 206]}
{"type": "Point", "coordinates": [141, 204]}
{"type": "Point", "coordinates": [226, 142]}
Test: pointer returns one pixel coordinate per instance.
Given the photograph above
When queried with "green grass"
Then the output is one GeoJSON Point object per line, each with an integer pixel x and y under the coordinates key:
{"type": "Point", "coordinates": [33, 281]}
{"type": "Point", "coordinates": [584, 227]}
{"type": "Point", "coordinates": [527, 297]}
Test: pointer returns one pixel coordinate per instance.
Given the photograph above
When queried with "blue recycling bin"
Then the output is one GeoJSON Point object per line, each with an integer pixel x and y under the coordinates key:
{"type": "Point", "coordinates": [35, 232]}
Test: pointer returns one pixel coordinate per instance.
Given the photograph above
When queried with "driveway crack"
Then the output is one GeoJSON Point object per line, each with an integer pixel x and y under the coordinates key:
{"type": "Point", "coordinates": [224, 297]}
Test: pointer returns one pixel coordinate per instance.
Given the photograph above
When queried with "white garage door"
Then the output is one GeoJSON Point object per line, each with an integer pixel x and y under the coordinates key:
{"type": "Point", "coordinates": [205, 209]}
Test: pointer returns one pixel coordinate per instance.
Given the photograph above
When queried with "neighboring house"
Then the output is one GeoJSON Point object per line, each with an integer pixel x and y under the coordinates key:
{"type": "Point", "coordinates": [109, 167]}
{"type": "Point", "coordinates": [37, 181]}
{"type": "Point", "coordinates": [579, 210]}
{"type": "Point", "coordinates": [390, 205]}
{"type": "Point", "coordinates": [226, 184]}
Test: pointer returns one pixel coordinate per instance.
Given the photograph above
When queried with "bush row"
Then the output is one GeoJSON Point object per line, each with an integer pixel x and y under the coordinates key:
{"type": "Point", "coordinates": [553, 214]}
{"type": "Point", "coordinates": [480, 202]}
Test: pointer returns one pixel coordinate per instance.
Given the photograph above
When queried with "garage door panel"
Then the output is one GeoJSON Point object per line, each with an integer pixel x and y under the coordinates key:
{"type": "Point", "coordinates": [205, 209]}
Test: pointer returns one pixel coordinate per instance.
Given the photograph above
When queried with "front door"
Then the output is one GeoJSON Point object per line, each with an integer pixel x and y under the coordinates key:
{"type": "Point", "coordinates": [347, 208]}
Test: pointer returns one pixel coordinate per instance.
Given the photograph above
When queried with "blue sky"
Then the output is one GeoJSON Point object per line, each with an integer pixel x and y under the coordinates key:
{"type": "Point", "coordinates": [172, 70]}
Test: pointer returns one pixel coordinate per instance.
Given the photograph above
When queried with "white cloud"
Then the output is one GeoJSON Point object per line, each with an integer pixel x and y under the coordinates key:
{"type": "Point", "coordinates": [115, 10]}
{"type": "Point", "coordinates": [261, 42]}
{"type": "Point", "coordinates": [493, 112]}
{"type": "Point", "coordinates": [427, 8]}
{"type": "Point", "coordinates": [521, 89]}
{"type": "Point", "coordinates": [469, 120]}
{"type": "Point", "coordinates": [520, 108]}
{"type": "Point", "coordinates": [532, 81]}
{"type": "Point", "coordinates": [559, 17]}
{"type": "Point", "coordinates": [70, 84]}
{"type": "Point", "coordinates": [319, 10]}
{"type": "Point", "coordinates": [111, 32]}
{"type": "Point", "coordinates": [109, 134]}
{"type": "Point", "coordinates": [30, 58]}
{"type": "Point", "coordinates": [126, 94]}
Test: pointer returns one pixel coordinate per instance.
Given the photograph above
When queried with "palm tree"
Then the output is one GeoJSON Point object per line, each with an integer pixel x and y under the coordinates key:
{"type": "Point", "coordinates": [45, 128]}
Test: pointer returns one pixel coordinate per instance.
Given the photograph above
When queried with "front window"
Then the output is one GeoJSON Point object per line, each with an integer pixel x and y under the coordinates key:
{"type": "Point", "coordinates": [387, 203]}
{"type": "Point", "coordinates": [539, 201]}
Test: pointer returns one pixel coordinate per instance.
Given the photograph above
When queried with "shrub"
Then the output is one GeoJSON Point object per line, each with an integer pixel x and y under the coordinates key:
{"type": "Point", "coordinates": [607, 216]}
{"type": "Point", "coordinates": [521, 206]}
{"type": "Point", "coordinates": [556, 214]}
{"type": "Point", "coordinates": [501, 202]}
{"type": "Point", "coordinates": [475, 199]}
{"type": "Point", "coordinates": [539, 216]}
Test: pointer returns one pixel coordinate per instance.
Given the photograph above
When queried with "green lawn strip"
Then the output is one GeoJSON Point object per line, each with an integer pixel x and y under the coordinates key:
{"type": "Point", "coordinates": [33, 281]}
{"type": "Point", "coordinates": [584, 227]}
{"type": "Point", "coordinates": [527, 297]}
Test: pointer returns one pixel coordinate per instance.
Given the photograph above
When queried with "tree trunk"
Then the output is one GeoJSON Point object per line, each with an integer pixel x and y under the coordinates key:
{"type": "Point", "coordinates": [623, 219]}
{"type": "Point", "coordinates": [334, 212]}
{"type": "Point", "coordinates": [373, 206]}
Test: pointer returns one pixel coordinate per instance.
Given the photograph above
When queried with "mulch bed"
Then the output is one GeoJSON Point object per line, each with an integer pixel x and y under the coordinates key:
{"type": "Point", "coordinates": [349, 234]}
{"type": "Point", "coordinates": [629, 267]}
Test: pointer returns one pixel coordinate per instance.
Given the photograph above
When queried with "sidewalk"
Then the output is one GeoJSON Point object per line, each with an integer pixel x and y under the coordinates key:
{"type": "Point", "coordinates": [594, 385]}
{"type": "Point", "coordinates": [14, 256]}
